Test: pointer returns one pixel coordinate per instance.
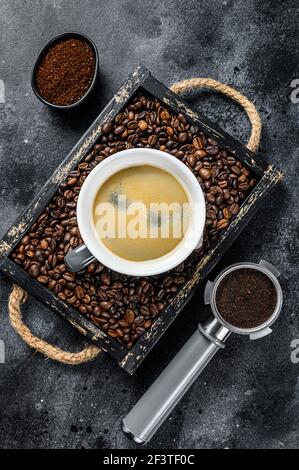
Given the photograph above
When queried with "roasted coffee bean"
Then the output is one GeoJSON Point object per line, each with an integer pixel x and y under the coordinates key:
{"type": "Point", "coordinates": [182, 137]}
{"type": "Point", "coordinates": [164, 114]}
{"type": "Point", "coordinates": [34, 270]}
{"type": "Point", "coordinates": [152, 140]}
{"type": "Point", "coordinates": [145, 311]}
{"type": "Point", "coordinates": [39, 256]}
{"type": "Point", "coordinates": [129, 316]}
{"type": "Point", "coordinates": [105, 305]}
{"type": "Point", "coordinates": [119, 130]}
{"type": "Point", "coordinates": [212, 150]}
{"type": "Point", "coordinates": [222, 223]}
{"type": "Point", "coordinates": [226, 194]}
{"type": "Point", "coordinates": [167, 281]}
{"type": "Point", "coordinates": [79, 292]}
{"type": "Point", "coordinates": [44, 244]}
{"type": "Point", "coordinates": [147, 324]}
{"type": "Point", "coordinates": [198, 143]}
{"type": "Point", "coordinates": [119, 118]}
{"type": "Point", "coordinates": [62, 296]}
{"type": "Point", "coordinates": [51, 284]}
{"type": "Point", "coordinates": [97, 311]}
{"type": "Point", "coordinates": [118, 295]}
{"type": "Point", "coordinates": [25, 240]}
{"type": "Point", "coordinates": [210, 198]}
{"type": "Point", "coordinates": [105, 278]}
{"type": "Point", "coordinates": [227, 214]}
{"type": "Point", "coordinates": [112, 333]}
{"type": "Point", "coordinates": [43, 279]}
{"type": "Point", "coordinates": [236, 170]}
{"type": "Point", "coordinates": [82, 309]}
{"type": "Point", "coordinates": [243, 187]}
{"type": "Point", "coordinates": [72, 300]}
{"type": "Point", "coordinates": [140, 330]}
{"type": "Point", "coordinates": [200, 154]}
{"type": "Point", "coordinates": [242, 178]}
{"type": "Point", "coordinates": [139, 320]}
{"type": "Point", "coordinates": [154, 310]}
{"type": "Point", "coordinates": [134, 299]}
{"type": "Point", "coordinates": [142, 125]}
{"type": "Point", "coordinates": [205, 173]}
{"type": "Point", "coordinates": [234, 209]}
{"type": "Point", "coordinates": [86, 299]}
{"type": "Point", "coordinates": [105, 315]}
{"type": "Point", "coordinates": [107, 127]}
{"type": "Point", "coordinates": [68, 276]}
{"type": "Point", "coordinates": [72, 181]}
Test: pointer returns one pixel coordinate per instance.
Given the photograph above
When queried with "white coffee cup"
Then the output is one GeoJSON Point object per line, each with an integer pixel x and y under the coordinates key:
{"type": "Point", "coordinates": [80, 257]}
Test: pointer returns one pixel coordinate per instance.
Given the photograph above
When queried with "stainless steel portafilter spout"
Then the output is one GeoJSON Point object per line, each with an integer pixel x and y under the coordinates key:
{"type": "Point", "coordinates": [152, 409]}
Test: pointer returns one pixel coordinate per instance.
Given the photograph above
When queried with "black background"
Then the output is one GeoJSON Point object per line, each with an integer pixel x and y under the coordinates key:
{"type": "Point", "coordinates": [249, 396]}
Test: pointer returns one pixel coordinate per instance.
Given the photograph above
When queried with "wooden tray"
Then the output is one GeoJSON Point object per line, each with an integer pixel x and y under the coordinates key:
{"type": "Point", "coordinates": [268, 177]}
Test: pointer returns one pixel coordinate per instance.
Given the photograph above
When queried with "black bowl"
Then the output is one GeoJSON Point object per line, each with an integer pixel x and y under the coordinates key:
{"type": "Point", "coordinates": [42, 53]}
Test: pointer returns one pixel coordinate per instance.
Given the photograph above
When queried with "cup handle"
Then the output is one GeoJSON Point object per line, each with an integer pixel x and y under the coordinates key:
{"type": "Point", "coordinates": [79, 258]}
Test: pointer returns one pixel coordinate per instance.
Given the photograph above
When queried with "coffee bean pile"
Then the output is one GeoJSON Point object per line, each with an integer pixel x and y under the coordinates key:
{"type": "Point", "coordinates": [123, 306]}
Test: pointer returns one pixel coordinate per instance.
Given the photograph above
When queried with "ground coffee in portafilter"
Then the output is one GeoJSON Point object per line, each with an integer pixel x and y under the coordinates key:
{"type": "Point", "coordinates": [246, 298]}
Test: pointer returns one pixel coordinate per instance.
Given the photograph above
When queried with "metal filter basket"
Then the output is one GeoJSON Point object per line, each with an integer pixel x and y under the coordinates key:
{"type": "Point", "coordinates": [152, 409]}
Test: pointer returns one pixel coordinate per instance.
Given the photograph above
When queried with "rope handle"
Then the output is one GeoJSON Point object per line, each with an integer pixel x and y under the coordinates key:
{"type": "Point", "coordinates": [254, 117]}
{"type": "Point", "coordinates": [18, 295]}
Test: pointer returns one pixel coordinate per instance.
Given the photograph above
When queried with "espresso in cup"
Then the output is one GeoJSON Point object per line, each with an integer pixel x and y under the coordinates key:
{"type": "Point", "coordinates": [141, 213]}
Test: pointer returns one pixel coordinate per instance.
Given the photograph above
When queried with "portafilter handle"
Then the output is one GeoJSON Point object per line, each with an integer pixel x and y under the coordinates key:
{"type": "Point", "coordinates": [142, 422]}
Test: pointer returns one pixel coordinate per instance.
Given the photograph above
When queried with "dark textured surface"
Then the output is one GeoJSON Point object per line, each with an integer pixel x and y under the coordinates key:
{"type": "Point", "coordinates": [249, 395]}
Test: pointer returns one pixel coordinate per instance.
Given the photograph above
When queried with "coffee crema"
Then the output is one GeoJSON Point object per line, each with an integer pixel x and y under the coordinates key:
{"type": "Point", "coordinates": [141, 213]}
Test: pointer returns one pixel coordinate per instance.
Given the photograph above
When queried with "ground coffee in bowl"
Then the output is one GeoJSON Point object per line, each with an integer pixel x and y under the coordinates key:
{"type": "Point", "coordinates": [65, 70]}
